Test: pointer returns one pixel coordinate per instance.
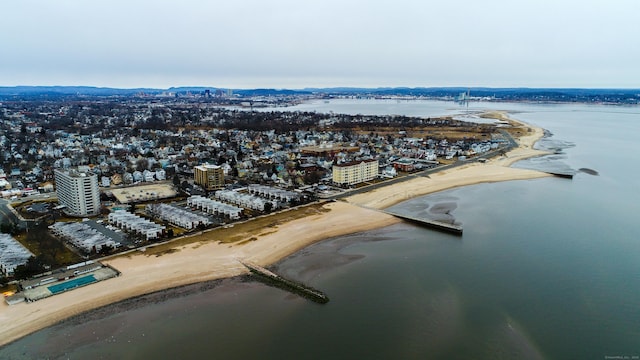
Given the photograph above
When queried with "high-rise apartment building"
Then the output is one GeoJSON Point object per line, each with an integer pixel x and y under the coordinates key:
{"type": "Point", "coordinates": [210, 177]}
{"type": "Point", "coordinates": [78, 191]}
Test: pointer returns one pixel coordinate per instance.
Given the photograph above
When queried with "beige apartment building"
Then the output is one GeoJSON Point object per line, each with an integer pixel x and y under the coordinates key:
{"type": "Point", "coordinates": [210, 177]}
{"type": "Point", "coordinates": [355, 172]}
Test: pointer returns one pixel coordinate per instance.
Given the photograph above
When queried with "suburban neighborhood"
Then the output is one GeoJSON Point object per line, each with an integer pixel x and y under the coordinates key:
{"type": "Point", "coordinates": [100, 176]}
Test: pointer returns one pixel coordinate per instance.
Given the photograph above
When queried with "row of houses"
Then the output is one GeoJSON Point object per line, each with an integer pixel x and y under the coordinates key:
{"type": "Point", "coordinates": [273, 193]}
{"type": "Point", "coordinates": [136, 224]}
{"type": "Point", "coordinates": [134, 177]}
{"type": "Point", "coordinates": [177, 216]}
{"type": "Point", "coordinates": [12, 254]}
{"type": "Point", "coordinates": [83, 236]}
{"type": "Point", "coordinates": [245, 200]}
{"type": "Point", "coordinates": [211, 206]}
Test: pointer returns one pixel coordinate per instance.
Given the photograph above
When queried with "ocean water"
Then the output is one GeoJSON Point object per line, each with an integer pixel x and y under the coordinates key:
{"type": "Point", "coordinates": [546, 268]}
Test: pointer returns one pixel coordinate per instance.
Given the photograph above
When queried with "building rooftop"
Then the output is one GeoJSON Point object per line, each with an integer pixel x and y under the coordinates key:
{"type": "Point", "coordinates": [12, 253]}
{"type": "Point", "coordinates": [351, 163]}
{"type": "Point", "coordinates": [84, 236]}
{"type": "Point", "coordinates": [204, 167]}
{"type": "Point", "coordinates": [74, 172]}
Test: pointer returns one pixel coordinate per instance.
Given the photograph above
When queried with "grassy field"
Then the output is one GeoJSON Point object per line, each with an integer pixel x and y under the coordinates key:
{"type": "Point", "coordinates": [245, 231]}
{"type": "Point", "coordinates": [45, 243]}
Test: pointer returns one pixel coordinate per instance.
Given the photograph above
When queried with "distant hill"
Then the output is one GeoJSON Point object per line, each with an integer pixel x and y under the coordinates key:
{"type": "Point", "coordinates": [70, 90]}
{"type": "Point", "coordinates": [104, 91]}
{"type": "Point", "coordinates": [627, 96]}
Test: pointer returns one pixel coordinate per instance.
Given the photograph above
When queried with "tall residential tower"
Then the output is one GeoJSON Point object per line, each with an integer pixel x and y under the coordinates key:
{"type": "Point", "coordinates": [210, 177]}
{"type": "Point", "coordinates": [79, 192]}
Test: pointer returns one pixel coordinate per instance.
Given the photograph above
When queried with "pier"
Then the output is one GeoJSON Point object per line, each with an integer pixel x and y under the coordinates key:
{"type": "Point", "coordinates": [432, 224]}
{"type": "Point", "coordinates": [273, 279]}
{"type": "Point", "coordinates": [566, 175]}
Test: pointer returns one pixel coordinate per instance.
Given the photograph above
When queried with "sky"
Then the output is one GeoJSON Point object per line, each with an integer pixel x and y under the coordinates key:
{"type": "Point", "coordinates": [296, 44]}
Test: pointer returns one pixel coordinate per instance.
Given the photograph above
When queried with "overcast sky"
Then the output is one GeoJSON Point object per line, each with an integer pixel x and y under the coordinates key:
{"type": "Point", "coordinates": [320, 43]}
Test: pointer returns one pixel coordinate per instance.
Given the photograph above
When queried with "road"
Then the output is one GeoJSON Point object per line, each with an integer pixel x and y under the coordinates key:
{"type": "Point", "coordinates": [6, 214]}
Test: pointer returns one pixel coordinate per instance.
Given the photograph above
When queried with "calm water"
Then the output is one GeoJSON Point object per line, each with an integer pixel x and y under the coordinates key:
{"type": "Point", "coordinates": [546, 268]}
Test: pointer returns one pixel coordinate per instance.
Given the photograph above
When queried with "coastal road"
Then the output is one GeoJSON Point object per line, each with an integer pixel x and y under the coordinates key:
{"type": "Point", "coordinates": [6, 214]}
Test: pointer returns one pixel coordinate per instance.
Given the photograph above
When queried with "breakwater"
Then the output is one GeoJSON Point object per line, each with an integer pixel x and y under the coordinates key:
{"type": "Point", "coordinates": [436, 225]}
{"type": "Point", "coordinates": [273, 279]}
{"type": "Point", "coordinates": [562, 174]}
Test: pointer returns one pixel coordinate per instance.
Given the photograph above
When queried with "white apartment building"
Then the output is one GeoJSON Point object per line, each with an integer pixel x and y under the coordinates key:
{"type": "Point", "coordinates": [78, 191]}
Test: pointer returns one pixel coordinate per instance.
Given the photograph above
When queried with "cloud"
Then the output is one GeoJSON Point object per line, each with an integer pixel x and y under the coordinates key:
{"type": "Point", "coordinates": [252, 43]}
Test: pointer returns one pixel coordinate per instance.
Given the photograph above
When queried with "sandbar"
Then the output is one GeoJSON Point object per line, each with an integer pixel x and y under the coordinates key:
{"type": "Point", "coordinates": [208, 259]}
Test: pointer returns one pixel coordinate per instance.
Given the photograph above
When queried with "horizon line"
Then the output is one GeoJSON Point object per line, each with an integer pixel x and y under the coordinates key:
{"type": "Point", "coordinates": [320, 87]}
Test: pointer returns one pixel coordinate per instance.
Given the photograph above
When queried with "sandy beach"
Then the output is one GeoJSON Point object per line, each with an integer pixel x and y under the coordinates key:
{"type": "Point", "coordinates": [207, 259]}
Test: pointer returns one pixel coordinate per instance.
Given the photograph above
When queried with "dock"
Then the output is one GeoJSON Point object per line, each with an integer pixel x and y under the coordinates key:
{"type": "Point", "coordinates": [432, 224]}
{"type": "Point", "coordinates": [273, 279]}
{"type": "Point", "coordinates": [562, 174]}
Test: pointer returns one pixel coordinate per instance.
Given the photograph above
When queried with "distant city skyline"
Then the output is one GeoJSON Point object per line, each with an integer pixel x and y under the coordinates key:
{"type": "Point", "coordinates": [292, 44]}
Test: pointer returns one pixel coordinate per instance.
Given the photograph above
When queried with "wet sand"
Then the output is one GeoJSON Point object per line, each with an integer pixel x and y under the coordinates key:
{"type": "Point", "coordinates": [188, 264]}
{"type": "Point", "coordinates": [209, 260]}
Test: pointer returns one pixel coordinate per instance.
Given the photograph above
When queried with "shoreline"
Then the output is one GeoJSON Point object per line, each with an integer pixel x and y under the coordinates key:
{"type": "Point", "coordinates": [207, 259]}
